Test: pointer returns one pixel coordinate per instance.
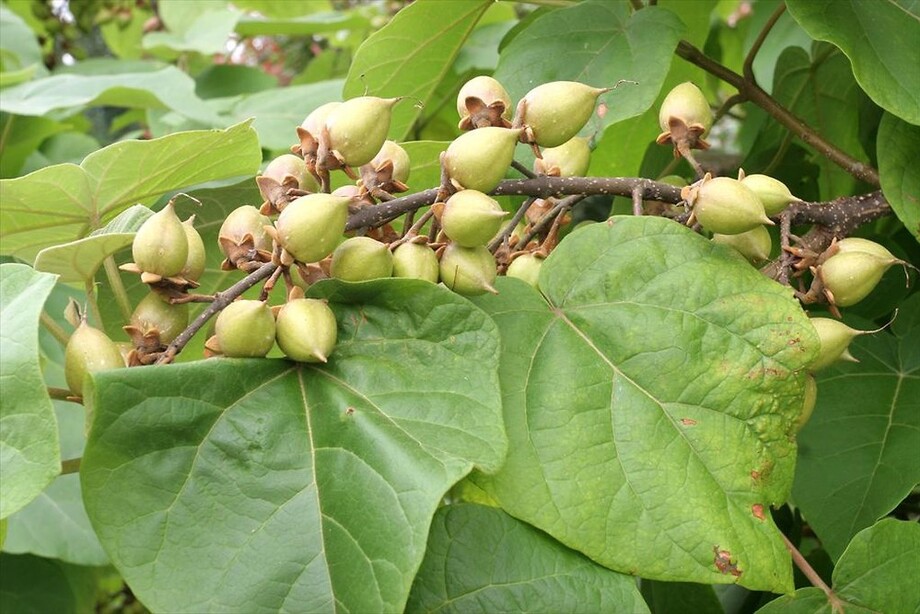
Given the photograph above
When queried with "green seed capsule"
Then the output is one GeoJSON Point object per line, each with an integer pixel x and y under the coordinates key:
{"type": "Point", "coordinates": [415, 261]}
{"type": "Point", "coordinates": [306, 330]}
{"type": "Point", "coordinates": [245, 328]}
{"type": "Point", "coordinates": [88, 350]}
{"type": "Point", "coordinates": [468, 270]}
{"type": "Point", "coordinates": [160, 246]}
{"type": "Point", "coordinates": [361, 259]}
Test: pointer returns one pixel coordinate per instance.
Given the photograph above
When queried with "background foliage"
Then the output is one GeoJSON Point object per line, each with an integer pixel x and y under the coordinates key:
{"type": "Point", "coordinates": [534, 450]}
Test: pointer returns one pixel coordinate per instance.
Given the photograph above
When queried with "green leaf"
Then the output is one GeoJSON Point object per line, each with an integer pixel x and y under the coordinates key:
{"type": "Point", "coordinates": [302, 25]}
{"type": "Point", "coordinates": [821, 91]}
{"type": "Point", "coordinates": [276, 119]}
{"type": "Point", "coordinates": [207, 34]}
{"type": "Point", "coordinates": [17, 38]}
{"type": "Point", "coordinates": [29, 455]}
{"type": "Point", "coordinates": [65, 202]}
{"type": "Point", "coordinates": [603, 43]}
{"type": "Point", "coordinates": [180, 16]}
{"type": "Point", "coordinates": [610, 157]}
{"type": "Point", "coordinates": [284, 8]}
{"type": "Point", "coordinates": [166, 88]}
{"type": "Point", "coordinates": [124, 40]}
{"type": "Point", "coordinates": [650, 400]}
{"type": "Point", "coordinates": [307, 487]}
{"type": "Point", "coordinates": [425, 168]}
{"type": "Point", "coordinates": [480, 559]}
{"type": "Point", "coordinates": [880, 39]}
{"type": "Point", "coordinates": [19, 137]}
{"type": "Point", "coordinates": [858, 453]}
{"type": "Point", "coordinates": [411, 54]}
{"type": "Point", "coordinates": [79, 260]}
{"type": "Point", "coordinates": [877, 573]}
{"type": "Point", "coordinates": [678, 597]}
{"type": "Point", "coordinates": [898, 152]}
{"type": "Point", "coordinates": [223, 80]}
{"type": "Point", "coordinates": [33, 585]}
{"type": "Point", "coordinates": [15, 77]}
{"type": "Point", "coordinates": [55, 524]}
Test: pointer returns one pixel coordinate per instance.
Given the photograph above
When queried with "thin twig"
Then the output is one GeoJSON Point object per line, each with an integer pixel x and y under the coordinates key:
{"type": "Point", "coordinates": [54, 328]}
{"type": "Point", "coordinates": [748, 68]}
{"type": "Point", "coordinates": [512, 224]}
{"type": "Point", "coordinates": [785, 258]}
{"type": "Point", "coordinates": [784, 116]}
{"type": "Point", "coordinates": [731, 101]}
{"type": "Point", "coordinates": [61, 394]}
{"type": "Point", "coordinates": [637, 193]}
{"type": "Point", "coordinates": [71, 465]}
{"type": "Point", "coordinates": [90, 289]}
{"type": "Point", "coordinates": [222, 299]}
{"type": "Point", "coordinates": [812, 575]}
{"type": "Point", "coordinates": [522, 169]}
{"type": "Point", "coordinates": [835, 219]}
{"type": "Point", "coordinates": [118, 288]}
{"type": "Point", "coordinates": [561, 207]}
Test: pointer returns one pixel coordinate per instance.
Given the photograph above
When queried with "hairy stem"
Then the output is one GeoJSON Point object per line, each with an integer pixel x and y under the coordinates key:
{"type": "Point", "coordinates": [751, 91]}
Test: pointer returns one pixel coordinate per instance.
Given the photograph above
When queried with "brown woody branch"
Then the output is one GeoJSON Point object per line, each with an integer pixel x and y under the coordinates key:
{"type": "Point", "coordinates": [753, 92]}
{"type": "Point", "coordinates": [835, 218]}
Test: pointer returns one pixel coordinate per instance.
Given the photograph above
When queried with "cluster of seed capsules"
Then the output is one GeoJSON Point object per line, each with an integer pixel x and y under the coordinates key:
{"type": "Point", "coordinates": [306, 239]}
{"type": "Point", "coordinates": [737, 212]}
{"type": "Point", "coordinates": [351, 135]}
{"type": "Point", "coordinates": [300, 226]}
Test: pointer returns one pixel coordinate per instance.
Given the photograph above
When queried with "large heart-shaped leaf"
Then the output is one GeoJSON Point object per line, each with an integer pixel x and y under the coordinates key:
{"type": "Point", "coordinates": [880, 38]}
{"type": "Point", "coordinates": [166, 88]}
{"type": "Point", "coordinates": [480, 559]}
{"type": "Point", "coordinates": [877, 573]}
{"type": "Point", "coordinates": [899, 174]}
{"type": "Point", "coordinates": [603, 42]}
{"type": "Point", "coordinates": [435, 32]}
{"type": "Point", "coordinates": [304, 487]}
{"type": "Point", "coordinates": [858, 453]}
{"type": "Point", "coordinates": [650, 401]}
{"type": "Point", "coordinates": [29, 455]}
{"type": "Point", "coordinates": [63, 203]}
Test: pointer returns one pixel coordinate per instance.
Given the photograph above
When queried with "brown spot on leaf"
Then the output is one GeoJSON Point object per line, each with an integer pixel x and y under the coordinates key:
{"type": "Point", "coordinates": [349, 411]}
{"type": "Point", "coordinates": [688, 421]}
{"type": "Point", "coordinates": [757, 510]}
{"type": "Point", "coordinates": [723, 562]}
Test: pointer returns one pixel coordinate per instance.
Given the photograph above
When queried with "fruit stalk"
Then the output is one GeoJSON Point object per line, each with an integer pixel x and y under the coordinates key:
{"type": "Point", "coordinates": [222, 299]}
